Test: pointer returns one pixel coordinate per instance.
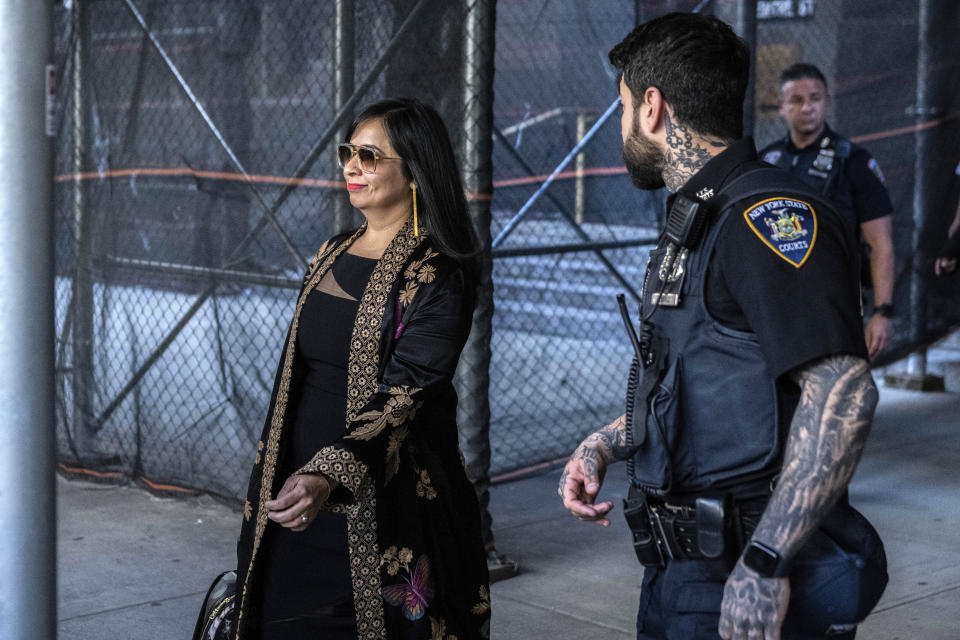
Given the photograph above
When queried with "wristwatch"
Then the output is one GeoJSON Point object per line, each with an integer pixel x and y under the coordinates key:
{"type": "Point", "coordinates": [765, 560]}
{"type": "Point", "coordinates": [885, 310]}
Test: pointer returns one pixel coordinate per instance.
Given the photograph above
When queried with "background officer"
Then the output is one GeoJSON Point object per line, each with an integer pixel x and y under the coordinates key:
{"type": "Point", "coordinates": [751, 345]}
{"type": "Point", "coordinates": [847, 175]}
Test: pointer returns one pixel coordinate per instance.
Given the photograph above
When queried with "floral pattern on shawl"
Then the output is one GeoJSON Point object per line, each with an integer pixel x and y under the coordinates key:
{"type": "Point", "coordinates": [399, 449]}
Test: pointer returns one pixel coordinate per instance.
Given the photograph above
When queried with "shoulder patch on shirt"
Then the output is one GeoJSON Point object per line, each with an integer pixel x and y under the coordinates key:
{"type": "Point", "coordinates": [787, 226]}
{"type": "Point", "coordinates": [771, 157]}
{"type": "Point", "coordinates": [876, 170]}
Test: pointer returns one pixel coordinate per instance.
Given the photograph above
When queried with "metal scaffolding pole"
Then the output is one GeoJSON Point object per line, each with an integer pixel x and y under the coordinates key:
{"type": "Point", "coordinates": [588, 241]}
{"type": "Point", "coordinates": [931, 14]}
{"type": "Point", "coordinates": [527, 206]}
{"type": "Point", "coordinates": [343, 56]}
{"type": "Point", "coordinates": [83, 423]}
{"type": "Point", "coordinates": [27, 442]}
{"type": "Point", "coordinates": [924, 108]}
{"type": "Point", "coordinates": [742, 16]}
{"type": "Point", "coordinates": [473, 377]}
{"type": "Point", "coordinates": [747, 29]}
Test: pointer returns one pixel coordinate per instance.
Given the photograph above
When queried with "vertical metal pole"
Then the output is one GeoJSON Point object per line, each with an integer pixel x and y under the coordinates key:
{"type": "Point", "coordinates": [578, 195]}
{"type": "Point", "coordinates": [747, 28]}
{"type": "Point", "coordinates": [742, 16]}
{"type": "Point", "coordinates": [27, 442]}
{"type": "Point", "coordinates": [917, 363]}
{"type": "Point", "coordinates": [82, 343]}
{"type": "Point", "coordinates": [473, 379]}
{"type": "Point", "coordinates": [343, 78]}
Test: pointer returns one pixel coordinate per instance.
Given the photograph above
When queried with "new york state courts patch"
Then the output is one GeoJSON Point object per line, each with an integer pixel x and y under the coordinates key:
{"type": "Point", "coordinates": [787, 226]}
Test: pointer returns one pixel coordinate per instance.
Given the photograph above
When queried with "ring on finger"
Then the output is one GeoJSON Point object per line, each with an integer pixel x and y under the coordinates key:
{"type": "Point", "coordinates": [303, 517]}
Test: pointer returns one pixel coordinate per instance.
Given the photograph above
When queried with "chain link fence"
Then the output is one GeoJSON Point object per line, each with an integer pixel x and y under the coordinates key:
{"type": "Point", "coordinates": [561, 255]}
{"type": "Point", "coordinates": [195, 176]}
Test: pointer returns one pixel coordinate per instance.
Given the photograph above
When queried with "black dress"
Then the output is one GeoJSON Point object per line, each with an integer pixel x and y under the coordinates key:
{"type": "Point", "coordinates": [417, 566]}
{"type": "Point", "coordinates": [307, 587]}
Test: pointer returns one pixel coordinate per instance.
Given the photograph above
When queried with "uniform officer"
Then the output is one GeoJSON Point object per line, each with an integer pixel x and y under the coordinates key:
{"type": "Point", "coordinates": [846, 174]}
{"type": "Point", "coordinates": [751, 396]}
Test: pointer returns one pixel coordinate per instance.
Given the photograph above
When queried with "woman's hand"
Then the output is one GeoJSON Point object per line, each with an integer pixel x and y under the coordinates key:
{"type": "Point", "coordinates": [944, 265]}
{"type": "Point", "coordinates": [299, 500]}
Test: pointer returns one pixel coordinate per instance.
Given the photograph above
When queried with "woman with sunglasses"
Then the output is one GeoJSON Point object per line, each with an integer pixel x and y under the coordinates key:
{"type": "Point", "coordinates": [360, 521]}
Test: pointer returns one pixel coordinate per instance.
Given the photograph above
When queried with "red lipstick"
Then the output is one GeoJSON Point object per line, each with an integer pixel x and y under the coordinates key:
{"type": "Point", "coordinates": [353, 186]}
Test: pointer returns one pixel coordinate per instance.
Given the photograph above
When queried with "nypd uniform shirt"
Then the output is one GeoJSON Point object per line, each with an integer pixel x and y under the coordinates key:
{"type": "Point", "coordinates": [783, 268]}
{"type": "Point", "coordinates": [858, 191]}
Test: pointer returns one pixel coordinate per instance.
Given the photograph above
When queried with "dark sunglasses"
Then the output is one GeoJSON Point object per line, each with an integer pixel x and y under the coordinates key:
{"type": "Point", "coordinates": [366, 156]}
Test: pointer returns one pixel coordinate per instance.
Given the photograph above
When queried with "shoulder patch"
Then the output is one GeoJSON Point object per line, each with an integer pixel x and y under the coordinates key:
{"type": "Point", "coordinates": [787, 226]}
{"type": "Point", "coordinates": [876, 170]}
{"type": "Point", "coordinates": [771, 157]}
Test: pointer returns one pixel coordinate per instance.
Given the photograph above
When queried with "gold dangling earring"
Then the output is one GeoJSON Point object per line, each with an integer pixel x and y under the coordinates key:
{"type": "Point", "coordinates": [416, 227]}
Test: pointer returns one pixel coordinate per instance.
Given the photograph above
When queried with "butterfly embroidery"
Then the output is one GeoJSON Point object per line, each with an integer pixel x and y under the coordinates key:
{"type": "Point", "coordinates": [413, 595]}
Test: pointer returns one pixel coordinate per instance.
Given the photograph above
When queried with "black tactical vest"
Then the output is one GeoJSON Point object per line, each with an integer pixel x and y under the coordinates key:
{"type": "Point", "coordinates": [703, 413]}
{"type": "Point", "coordinates": [822, 170]}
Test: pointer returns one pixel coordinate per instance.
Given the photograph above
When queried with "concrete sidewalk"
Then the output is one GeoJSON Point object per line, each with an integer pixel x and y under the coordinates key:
{"type": "Point", "coordinates": [133, 566]}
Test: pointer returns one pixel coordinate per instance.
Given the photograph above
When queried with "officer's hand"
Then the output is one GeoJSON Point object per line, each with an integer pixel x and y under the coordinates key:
{"type": "Point", "coordinates": [580, 482]}
{"type": "Point", "coordinates": [944, 265]}
{"type": "Point", "coordinates": [753, 607]}
{"type": "Point", "coordinates": [878, 334]}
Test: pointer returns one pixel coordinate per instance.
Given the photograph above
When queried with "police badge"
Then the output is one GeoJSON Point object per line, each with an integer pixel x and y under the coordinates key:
{"type": "Point", "coordinates": [785, 225]}
{"type": "Point", "coordinates": [824, 160]}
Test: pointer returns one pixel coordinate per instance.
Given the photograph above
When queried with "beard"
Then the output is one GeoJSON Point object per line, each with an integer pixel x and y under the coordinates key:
{"type": "Point", "coordinates": [644, 161]}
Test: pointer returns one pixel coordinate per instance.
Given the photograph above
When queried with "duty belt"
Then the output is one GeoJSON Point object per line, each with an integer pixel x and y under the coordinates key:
{"type": "Point", "coordinates": [708, 528]}
{"type": "Point", "coordinates": [675, 530]}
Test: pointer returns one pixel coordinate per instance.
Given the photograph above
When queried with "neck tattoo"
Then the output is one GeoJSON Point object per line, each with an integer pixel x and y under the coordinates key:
{"type": "Point", "coordinates": [685, 155]}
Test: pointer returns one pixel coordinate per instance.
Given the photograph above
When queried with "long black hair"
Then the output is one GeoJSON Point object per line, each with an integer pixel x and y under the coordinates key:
{"type": "Point", "coordinates": [420, 138]}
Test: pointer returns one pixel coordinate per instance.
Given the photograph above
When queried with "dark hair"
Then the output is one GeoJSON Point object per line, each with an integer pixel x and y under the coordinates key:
{"type": "Point", "coordinates": [800, 71]}
{"type": "Point", "coordinates": [699, 65]}
{"type": "Point", "coordinates": [420, 138]}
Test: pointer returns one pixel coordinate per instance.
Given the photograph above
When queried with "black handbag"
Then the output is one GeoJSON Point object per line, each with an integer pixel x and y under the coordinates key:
{"type": "Point", "coordinates": [217, 615]}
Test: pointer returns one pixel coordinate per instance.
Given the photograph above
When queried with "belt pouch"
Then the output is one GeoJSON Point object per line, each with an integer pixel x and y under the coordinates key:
{"type": "Point", "coordinates": [636, 513]}
{"type": "Point", "coordinates": [717, 536]}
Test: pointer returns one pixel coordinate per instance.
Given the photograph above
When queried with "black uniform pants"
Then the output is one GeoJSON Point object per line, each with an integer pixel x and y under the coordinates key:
{"type": "Point", "coordinates": [682, 602]}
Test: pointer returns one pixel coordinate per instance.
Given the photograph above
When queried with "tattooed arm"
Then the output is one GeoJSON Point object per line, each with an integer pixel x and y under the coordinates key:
{"type": "Point", "coordinates": [827, 436]}
{"type": "Point", "coordinates": [581, 478]}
